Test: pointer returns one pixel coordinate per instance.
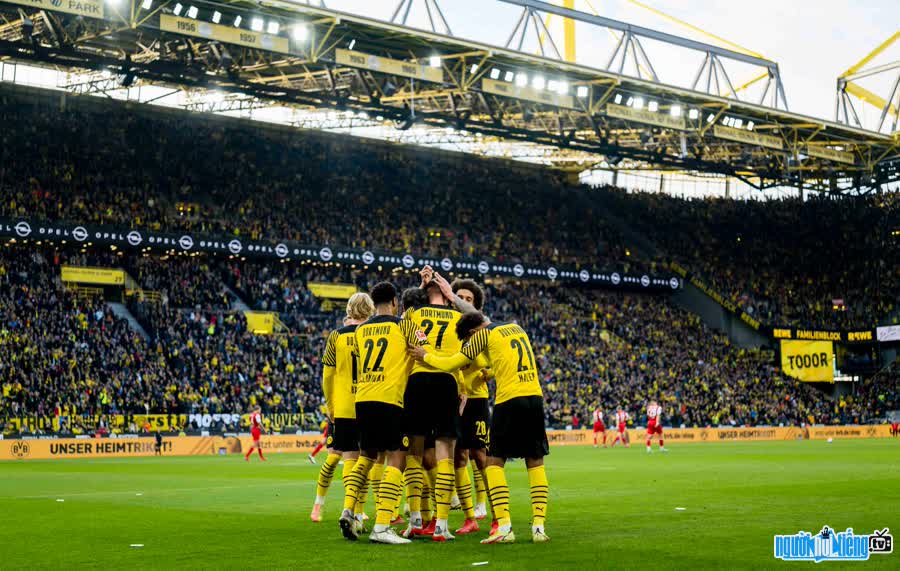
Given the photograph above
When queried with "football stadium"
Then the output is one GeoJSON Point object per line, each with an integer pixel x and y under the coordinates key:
{"type": "Point", "coordinates": [406, 284]}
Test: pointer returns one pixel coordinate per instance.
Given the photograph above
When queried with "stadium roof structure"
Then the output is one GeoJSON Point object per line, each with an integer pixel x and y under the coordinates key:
{"type": "Point", "coordinates": [573, 116]}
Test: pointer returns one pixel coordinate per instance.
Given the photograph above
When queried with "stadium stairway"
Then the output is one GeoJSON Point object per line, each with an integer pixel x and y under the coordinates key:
{"type": "Point", "coordinates": [122, 312]}
{"type": "Point", "coordinates": [691, 297]}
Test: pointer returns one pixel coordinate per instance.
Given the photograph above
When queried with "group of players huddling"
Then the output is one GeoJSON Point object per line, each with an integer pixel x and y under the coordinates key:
{"type": "Point", "coordinates": [406, 388]}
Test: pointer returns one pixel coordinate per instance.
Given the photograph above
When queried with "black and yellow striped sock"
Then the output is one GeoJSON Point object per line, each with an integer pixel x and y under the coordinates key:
{"type": "Point", "coordinates": [388, 495]}
{"type": "Point", "coordinates": [375, 473]}
{"type": "Point", "coordinates": [415, 483]}
{"type": "Point", "coordinates": [355, 481]}
{"type": "Point", "coordinates": [326, 473]}
{"type": "Point", "coordinates": [464, 490]}
{"type": "Point", "coordinates": [540, 490]}
{"type": "Point", "coordinates": [499, 493]}
{"type": "Point", "coordinates": [480, 488]}
{"type": "Point", "coordinates": [429, 503]}
{"type": "Point", "coordinates": [443, 487]}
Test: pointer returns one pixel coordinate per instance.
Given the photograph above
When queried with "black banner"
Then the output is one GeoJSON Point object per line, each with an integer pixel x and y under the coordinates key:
{"type": "Point", "coordinates": [864, 335]}
{"type": "Point", "coordinates": [289, 250]}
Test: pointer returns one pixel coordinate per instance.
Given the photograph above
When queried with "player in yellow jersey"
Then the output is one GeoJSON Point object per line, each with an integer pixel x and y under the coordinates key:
{"type": "Point", "coordinates": [432, 403]}
{"type": "Point", "coordinates": [474, 423]}
{"type": "Point", "coordinates": [517, 426]}
{"type": "Point", "coordinates": [339, 385]}
{"type": "Point", "coordinates": [383, 370]}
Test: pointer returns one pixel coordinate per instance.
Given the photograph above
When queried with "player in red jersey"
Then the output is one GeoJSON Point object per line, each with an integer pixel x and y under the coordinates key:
{"type": "Point", "coordinates": [599, 426]}
{"type": "Point", "coordinates": [622, 434]}
{"type": "Point", "coordinates": [654, 425]}
{"type": "Point", "coordinates": [325, 427]}
{"type": "Point", "coordinates": [895, 428]}
{"type": "Point", "coordinates": [255, 432]}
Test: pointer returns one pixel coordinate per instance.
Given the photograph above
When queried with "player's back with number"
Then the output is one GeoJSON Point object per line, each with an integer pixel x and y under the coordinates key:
{"type": "Point", "coordinates": [438, 323]}
{"type": "Point", "coordinates": [512, 358]}
{"type": "Point", "coordinates": [383, 365]}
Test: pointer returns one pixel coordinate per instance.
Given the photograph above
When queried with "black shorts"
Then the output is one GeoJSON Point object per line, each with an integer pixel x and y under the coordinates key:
{"type": "Point", "coordinates": [474, 425]}
{"type": "Point", "coordinates": [517, 429]}
{"type": "Point", "coordinates": [344, 436]}
{"type": "Point", "coordinates": [431, 405]}
{"type": "Point", "coordinates": [380, 427]}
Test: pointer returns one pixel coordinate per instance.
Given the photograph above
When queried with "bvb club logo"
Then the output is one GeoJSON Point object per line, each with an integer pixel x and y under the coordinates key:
{"type": "Point", "coordinates": [20, 449]}
{"type": "Point", "coordinates": [406, 441]}
{"type": "Point", "coordinates": [329, 441]}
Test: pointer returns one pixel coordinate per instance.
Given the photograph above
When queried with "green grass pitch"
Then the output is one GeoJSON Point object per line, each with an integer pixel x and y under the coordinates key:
{"type": "Point", "coordinates": [611, 508]}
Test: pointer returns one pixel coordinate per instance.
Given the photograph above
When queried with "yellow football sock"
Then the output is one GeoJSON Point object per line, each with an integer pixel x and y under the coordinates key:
{"type": "Point", "coordinates": [355, 481]}
{"type": "Point", "coordinates": [540, 490]}
{"type": "Point", "coordinates": [464, 490]}
{"type": "Point", "coordinates": [388, 495]}
{"type": "Point", "coordinates": [443, 488]}
{"type": "Point", "coordinates": [480, 489]}
{"type": "Point", "coordinates": [326, 473]}
{"type": "Point", "coordinates": [375, 473]}
{"type": "Point", "coordinates": [415, 483]}
{"type": "Point", "coordinates": [499, 492]}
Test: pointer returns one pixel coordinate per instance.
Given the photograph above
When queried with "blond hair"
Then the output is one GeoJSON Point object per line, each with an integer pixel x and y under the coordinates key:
{"type": "Point", "coordinates": [360, 306]}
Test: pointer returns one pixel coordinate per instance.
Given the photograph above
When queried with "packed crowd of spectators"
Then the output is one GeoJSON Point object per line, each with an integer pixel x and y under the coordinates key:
{"type": "Point", "coordinates": [69, 356]}
{"type": "Point", "coordinates": [100, 163]}
{"type": "Point", "coordinates": [819, 262]}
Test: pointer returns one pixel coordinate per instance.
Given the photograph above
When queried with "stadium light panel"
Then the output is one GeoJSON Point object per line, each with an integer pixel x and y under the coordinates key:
{"type": "Point", "coordinates": [177, 9]}
{"type": "Point", "coordinates": [710, 118]}
{"type": "Point", "coordinates": [738, 123]}
{"type": "Point", "coordinates": [113, 2]}
{"type": "Point", "coordinates": [653, 106]}
{"type": "Point", "coordinates": [750, 125]}
{"type": "Point", "coordinates": [675, 111]}
{"type": "Point", "coordinates": [352, 43]}
{"type": "Point", "coordinates": [256, 24]}
{"type": "Point", "coordinates": [216, 17]}
{"type": "Point", "coordinates": [693, 113]}
{"type": "Point", "coordinates": [495, 73]}
{"type": "Point", "coordinates": [192, 12]}
{"type": "Point", "coordinates": [538, 82]}
{"type": "Point", "coordinates": [237, 21]}
{"type": "Point", "coordinates": [630, 102]}
{"type": "Point", "coordinates": [552, 85]}
{"type": "Point", "coordinates": [473, 68]}
{"type": "Point", "coordinates": [582, 91]}
{"type": "Point", "coordinates": [618, 99]}
{"type": "Point", "coordinates": [147, 4]}
{"type": "Point", "coordinates": [301, 32]}
{"type": "Point", "coordinates": [509, 76]}
{"type": "Point", "coordinates": [521, 79]}
{"type": "Point", "coordinates": [434, 61]}
{"type": "Point", "coordinates": [638, 103]}
{"type": "Point", "coordinates": [273, 28]}
{"type": "Point", "coordinates": [562, 87]}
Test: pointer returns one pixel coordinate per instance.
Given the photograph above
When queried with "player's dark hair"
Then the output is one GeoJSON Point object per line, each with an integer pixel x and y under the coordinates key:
{"type": "Point", "coordinates": [468, 322]}
{"type": "Point", "coordinates": [413, 298]}
{"type": "Point", "coordinates": [473, 287]}
{"type": "Point", "coordinates": [383, 292]}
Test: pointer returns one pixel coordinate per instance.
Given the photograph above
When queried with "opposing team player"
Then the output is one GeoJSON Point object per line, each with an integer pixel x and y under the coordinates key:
{"type": "Point", "coordinates": [654, 425]}
{"type": "Point", "coordinates": [432, 408]}
{"type": "Point", "coordinates": [256, 428]}
{"type": "Point", "coordinates": [380, 347]}
{"type": "Point", "coordinates": [517, 426]}
{"type": "Point", "coordinates": [599, 426]}
{"type": "Point", "coordinates": [325, 427]}
{"type": "Point", "coordinates": [474, 423]}
{"type": "Point", "coordinates": [621, 431]}
{"type": "Point", "coordinates": [339, 378]}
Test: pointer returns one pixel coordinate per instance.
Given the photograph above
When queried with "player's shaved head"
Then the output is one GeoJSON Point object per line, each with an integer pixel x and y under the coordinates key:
{"type": "Point", "coordinates": [469, 323]}
{"type": "Point", "coordinates": [477, 300]}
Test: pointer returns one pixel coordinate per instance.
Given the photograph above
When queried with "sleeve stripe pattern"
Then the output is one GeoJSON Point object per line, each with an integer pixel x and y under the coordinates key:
{"type": "Point", "coordinates": [329, 359]}
{"type": "Point", "coordinates": [476, 344]}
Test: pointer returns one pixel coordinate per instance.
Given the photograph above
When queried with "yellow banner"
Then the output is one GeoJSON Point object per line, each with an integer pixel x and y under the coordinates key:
{"type": "Point", "coordinates": [260, 322]}
{"type": "Point", "coordinates": [85, 275]}
{"type": "Point", "coordinates": [646, 116]}
{"type": "Point", "coordinates": [831, 155]}
{"type": "Point", "coordinates": [810, 361]}
{"type": "Point", "coordinates": [527, 93]}
{"type": "Point", "coordinates": [227, 34]}
{"type": "Point", "coordinates": [331, 291]}
{"type": "Point", "coordinates": [389, 66]}
{"type": "Point", "coordinates": [88, 8]}
{"type": "Point", "coordinates": [750, 137]}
